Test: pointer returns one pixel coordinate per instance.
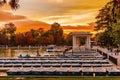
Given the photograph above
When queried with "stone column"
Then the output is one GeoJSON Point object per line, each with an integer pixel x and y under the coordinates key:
{"type": "Point", "coordinates": [88, 44]}
{"type": "Point", "coordinates": [74, 42]}
{"type": "Point", "coordinates": [77, 42]}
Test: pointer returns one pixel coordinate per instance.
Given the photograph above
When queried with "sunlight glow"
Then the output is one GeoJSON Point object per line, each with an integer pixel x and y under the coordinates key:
{"type": "Point", "coordinates": [59, 1]}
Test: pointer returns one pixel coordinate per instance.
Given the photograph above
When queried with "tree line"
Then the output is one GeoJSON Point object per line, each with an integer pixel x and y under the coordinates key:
{"type": "Point", "coordinates": [34, 37]}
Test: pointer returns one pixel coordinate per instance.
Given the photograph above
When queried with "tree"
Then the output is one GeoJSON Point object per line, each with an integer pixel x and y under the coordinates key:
{"type": "Point", "coordinates": [10, 30]}
{"type": "Point", "coordinates": [40, 31]}
{"type": "Point", "coordinates": [46, 38]}
{"type": "Point", "coordinates": [34, 33]}
{"type": "Point", "coordinates": [19, 39]}
{"type": "Point", "coordinates": [57, 33]}
{"type": "Point", "coordinates": [104, 39]}
{"type": "Point", "coordinates": [24, 39]}
{"type": "Point", "coordinates": [116, 33]}
{"type": "Point", "coordinates": [108, 15]}
{"type": "Point", "coordinates": [68, 40]}
{"type": "Point", "coordinates": [106, 19]}
{"type": "Point", "coordinates": [29, 39]}
{"type": "Point", "coordinates": [3, 38]}
{"type": "Point", "coordinates": [13, 3]}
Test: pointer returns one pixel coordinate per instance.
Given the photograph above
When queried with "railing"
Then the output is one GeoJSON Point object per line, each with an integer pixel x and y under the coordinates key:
{"type": "Point", "coordinates": [107, 55]}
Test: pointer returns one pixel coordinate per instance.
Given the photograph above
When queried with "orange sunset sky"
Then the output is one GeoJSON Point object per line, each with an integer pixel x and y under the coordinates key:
{"type": "Point", "coordinates": [73, 15]}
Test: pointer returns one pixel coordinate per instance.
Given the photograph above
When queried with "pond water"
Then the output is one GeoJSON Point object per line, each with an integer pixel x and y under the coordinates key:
{"type": "Point", "coordinates": [14, 53]}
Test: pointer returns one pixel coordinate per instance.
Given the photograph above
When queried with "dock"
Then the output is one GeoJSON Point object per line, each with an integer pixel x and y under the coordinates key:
{"type": "Point", "coordinates": [77, 64]}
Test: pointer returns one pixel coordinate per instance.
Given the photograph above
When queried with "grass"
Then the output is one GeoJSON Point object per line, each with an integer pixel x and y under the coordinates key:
{"type": "Point", "coordinates": [59, 78]}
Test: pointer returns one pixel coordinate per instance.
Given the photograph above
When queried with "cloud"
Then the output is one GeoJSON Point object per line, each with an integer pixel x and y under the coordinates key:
{"type": "Point", "coordinates": [89, 28]}
{"type": "Point", "coordinates": [7, 16]}
{"type": "Point", "coordinates": [5, 7]}
{"type": "Point", "coordinates": [83, 18]}
{"type": "Point", "coordinates": [49, 7]}
{"type": "Point", "coordinates": [54, 9]}
{"type": "Point", "coordinates": [65, 12]}
{"type": "Point", "coordinates": [26, 25]}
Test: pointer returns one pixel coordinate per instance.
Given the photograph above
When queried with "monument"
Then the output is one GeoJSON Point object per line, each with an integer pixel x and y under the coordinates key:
{"type": "Point", "coordinates": [76, 40]}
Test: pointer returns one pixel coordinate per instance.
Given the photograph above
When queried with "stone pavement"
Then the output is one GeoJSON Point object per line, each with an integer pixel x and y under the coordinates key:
{"type": "Point", "coordinates": [112, 56]}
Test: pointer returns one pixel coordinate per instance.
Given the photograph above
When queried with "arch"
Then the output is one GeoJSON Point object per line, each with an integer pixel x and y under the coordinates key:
{"type": "Point", "coordinates": [76, 40]}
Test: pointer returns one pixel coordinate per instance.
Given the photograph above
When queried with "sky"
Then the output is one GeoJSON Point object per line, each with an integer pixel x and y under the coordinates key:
{"type": "Point", "coordinates": [33, 13]}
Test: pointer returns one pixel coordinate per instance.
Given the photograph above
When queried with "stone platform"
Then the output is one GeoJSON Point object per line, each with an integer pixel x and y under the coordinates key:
{"type": "Point", "coordinates": [112, 56]}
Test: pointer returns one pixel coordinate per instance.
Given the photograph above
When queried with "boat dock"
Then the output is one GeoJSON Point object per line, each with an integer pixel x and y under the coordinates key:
{"type": "Point", "coordinates": [77, 64]}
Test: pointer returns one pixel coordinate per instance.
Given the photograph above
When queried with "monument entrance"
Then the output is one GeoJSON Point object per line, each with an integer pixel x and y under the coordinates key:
{"type": "Point", "coordinates": [81, 40]}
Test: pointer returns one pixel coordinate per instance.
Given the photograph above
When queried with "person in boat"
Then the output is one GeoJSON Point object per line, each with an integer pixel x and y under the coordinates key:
{"type": "Point", "coordinates": [20, 56]}
{"type": "Point", "coordinates": [38, 53]}
{"type": "Point", "coordinates": [27, 56]}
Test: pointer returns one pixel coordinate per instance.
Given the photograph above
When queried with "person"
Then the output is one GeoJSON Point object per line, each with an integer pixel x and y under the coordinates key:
{"type": "Point", "coordinates": [27, 56]}
{"type": "Point", "coordinates": [117, 52]}
{"type": "Point", "coordinates": [64, 53]}
{"type": "Point", "coordinates": [20, 56]}
{"type": "Point", "coordinates": [111, 50]}
{"type": "Point", "coordinates": [108, 49]}
{"type": "Point", "coordinates": [38, 53]}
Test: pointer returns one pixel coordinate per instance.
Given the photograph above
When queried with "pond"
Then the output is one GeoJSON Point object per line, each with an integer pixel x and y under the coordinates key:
{"type": "Point", "coordinates": [15, 52]}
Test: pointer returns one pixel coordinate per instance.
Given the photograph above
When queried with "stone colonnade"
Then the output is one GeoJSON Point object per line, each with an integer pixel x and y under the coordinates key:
{"type": "Point", "coordinates": [76, 40]}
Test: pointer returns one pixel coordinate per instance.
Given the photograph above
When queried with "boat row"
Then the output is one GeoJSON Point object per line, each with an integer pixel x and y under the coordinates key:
{"type": "Point", "coordinates": [86, 64]}
{"type": "Point", "coordinates": [54, 62]}
{"type": "Point", "coordinates": [64, 71]}
{"type": "Point", "coordinates": [55, 65]}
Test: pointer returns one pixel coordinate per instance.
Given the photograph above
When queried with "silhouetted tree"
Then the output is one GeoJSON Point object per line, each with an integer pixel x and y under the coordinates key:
{"type": "Point", "coordinates": [10, 29]}
{"type": "Point", "coordinates": [3, 39]}
{"type": "Point", "coordinates": [57, 33]}
{"type": "Point", "coordinates": [68, 40]}
{"type": "Point", "coordinates": [13, 3]}
{"type": "Point", "coordinates": [108, 15]}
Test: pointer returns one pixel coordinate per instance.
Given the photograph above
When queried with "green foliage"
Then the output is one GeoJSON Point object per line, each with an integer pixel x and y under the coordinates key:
{"type": "Point", "coordinates": [108, 21]}
{"type": "Point", "coordinates": [105, 39]}
{"type": "Point", "coordinates": [108, 15]}
{"type": "Point", "coordinates": [116, 33]}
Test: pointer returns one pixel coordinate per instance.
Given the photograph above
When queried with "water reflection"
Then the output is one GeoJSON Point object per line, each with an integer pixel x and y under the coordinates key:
{"type": "Point", "coordinates": [13, 53]}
